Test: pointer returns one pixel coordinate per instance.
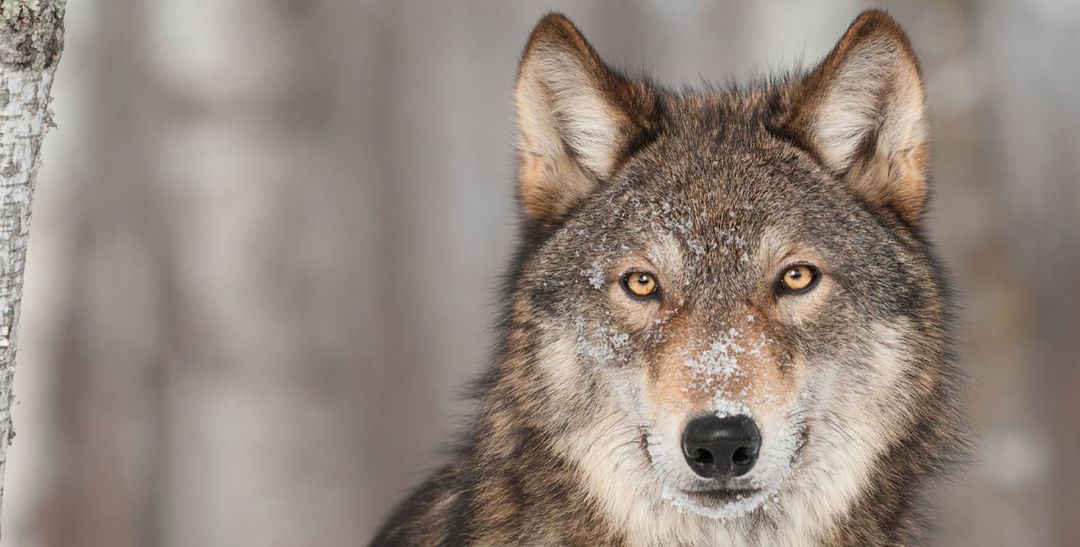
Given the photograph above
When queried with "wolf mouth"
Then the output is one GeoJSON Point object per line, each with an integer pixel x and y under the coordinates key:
{"type": "Point", "coordinates": [719, 496]}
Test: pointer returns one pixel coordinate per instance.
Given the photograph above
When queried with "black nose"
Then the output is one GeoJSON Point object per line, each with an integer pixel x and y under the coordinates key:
{"type": "Point", "coordinates": [721, 448]}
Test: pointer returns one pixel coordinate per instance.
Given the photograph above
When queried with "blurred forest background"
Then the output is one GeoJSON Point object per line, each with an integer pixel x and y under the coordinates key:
{"type": "Point", "coordinates": [268, 234]}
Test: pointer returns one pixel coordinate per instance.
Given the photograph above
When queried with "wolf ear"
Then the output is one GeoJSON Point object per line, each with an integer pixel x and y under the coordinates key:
{"type": "Point", "coordinates": [576, 120]}
{"type": "Point", "coordinates": [862, 111]}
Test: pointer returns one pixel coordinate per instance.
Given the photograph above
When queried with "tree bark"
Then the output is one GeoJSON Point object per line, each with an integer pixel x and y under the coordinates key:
{"type": "Point", "coordinates": [31, 39]}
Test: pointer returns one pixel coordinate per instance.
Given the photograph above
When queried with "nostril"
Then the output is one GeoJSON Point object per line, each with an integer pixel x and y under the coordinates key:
{"type": "Point", "coordinates": [741, 456]}
{"type": "Point", "coordinates": [703, 456]}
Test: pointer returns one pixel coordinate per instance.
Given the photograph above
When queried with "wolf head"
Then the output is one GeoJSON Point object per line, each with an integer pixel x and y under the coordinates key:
{"type": "Point", "coordinates": [726, 308]}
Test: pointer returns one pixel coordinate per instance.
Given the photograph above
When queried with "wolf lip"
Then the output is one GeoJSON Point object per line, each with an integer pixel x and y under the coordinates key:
{"type": "Point", "coordinates": [721, 495]}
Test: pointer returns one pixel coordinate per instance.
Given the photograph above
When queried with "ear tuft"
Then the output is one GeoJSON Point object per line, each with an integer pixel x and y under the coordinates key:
{"type": "Point", "coordinates": [576, 119]}
{"type": "Point", "coordinates": [862, 112]}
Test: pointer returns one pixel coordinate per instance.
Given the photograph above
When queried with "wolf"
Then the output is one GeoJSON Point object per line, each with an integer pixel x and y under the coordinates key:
{"type": "Point", "coordinates": [725, 324]}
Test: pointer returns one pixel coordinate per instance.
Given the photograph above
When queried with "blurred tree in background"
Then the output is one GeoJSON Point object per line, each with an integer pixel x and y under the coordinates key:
{"type": "Point", "coordinates": [31, 40]}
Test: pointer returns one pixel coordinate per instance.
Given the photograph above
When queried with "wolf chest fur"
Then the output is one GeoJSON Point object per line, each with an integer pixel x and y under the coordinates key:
{"type": "Point", "coordinates": [725, 324]}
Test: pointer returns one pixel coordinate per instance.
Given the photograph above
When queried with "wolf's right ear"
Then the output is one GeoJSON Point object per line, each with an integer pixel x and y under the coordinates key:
{"type": "Point", "coordinates": [576, 120]}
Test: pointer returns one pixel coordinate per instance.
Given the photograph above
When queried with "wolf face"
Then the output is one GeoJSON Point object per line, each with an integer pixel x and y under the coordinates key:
{"type": "Point", "coordinates": [725, 325]}
{"type": "Point", "coordinates": [727, 302]}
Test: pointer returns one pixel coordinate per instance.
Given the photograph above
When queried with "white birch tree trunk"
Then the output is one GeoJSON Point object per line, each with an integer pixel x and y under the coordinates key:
{"type": "Point", "coordinates": [31, 39]}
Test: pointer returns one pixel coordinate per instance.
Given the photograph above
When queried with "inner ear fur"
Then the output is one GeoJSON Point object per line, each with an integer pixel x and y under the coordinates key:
{"type": "Point", "coordinates": [862, 112]}
{"type": "Point", "coordinates": [576, 119]}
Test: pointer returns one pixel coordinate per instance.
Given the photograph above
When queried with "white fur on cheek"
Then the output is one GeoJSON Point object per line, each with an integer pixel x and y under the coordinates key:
{"type": "Point", "coordinates": [606, 451]}
{"type": "Point", "coordinates": [844, 455]}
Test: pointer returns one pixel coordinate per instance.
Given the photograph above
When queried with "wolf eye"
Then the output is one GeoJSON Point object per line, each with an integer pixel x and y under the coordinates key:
{"type": "Point", "coordinates": [640, 285]}
{"type": "Point", "coordinates": [798, 279]}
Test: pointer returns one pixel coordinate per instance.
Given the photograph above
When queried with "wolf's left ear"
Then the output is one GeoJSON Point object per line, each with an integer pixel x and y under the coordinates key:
{"type": "Point", "coordinates": [577, 120]}
{"type": "Point", "coordinates": [862, 111]}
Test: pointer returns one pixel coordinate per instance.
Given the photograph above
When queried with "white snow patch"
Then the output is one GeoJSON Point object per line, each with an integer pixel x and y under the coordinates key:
{"type": "Point", "coordinates": [595, 275]}
{"type": "Point", "coordinates": [726, 407]}
{"type": "Point", "coordinates": [711, 369]}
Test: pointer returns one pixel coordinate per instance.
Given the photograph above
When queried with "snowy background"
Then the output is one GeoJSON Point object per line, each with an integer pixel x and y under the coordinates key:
{"type": "Point", "coordinates": [267, 238]}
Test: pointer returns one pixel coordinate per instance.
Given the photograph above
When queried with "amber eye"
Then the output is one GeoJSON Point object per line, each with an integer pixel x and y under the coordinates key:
{"type": "Point", "coordinates": [798, 279]}
{"type": "Point", "coordinates": [640, 284]}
